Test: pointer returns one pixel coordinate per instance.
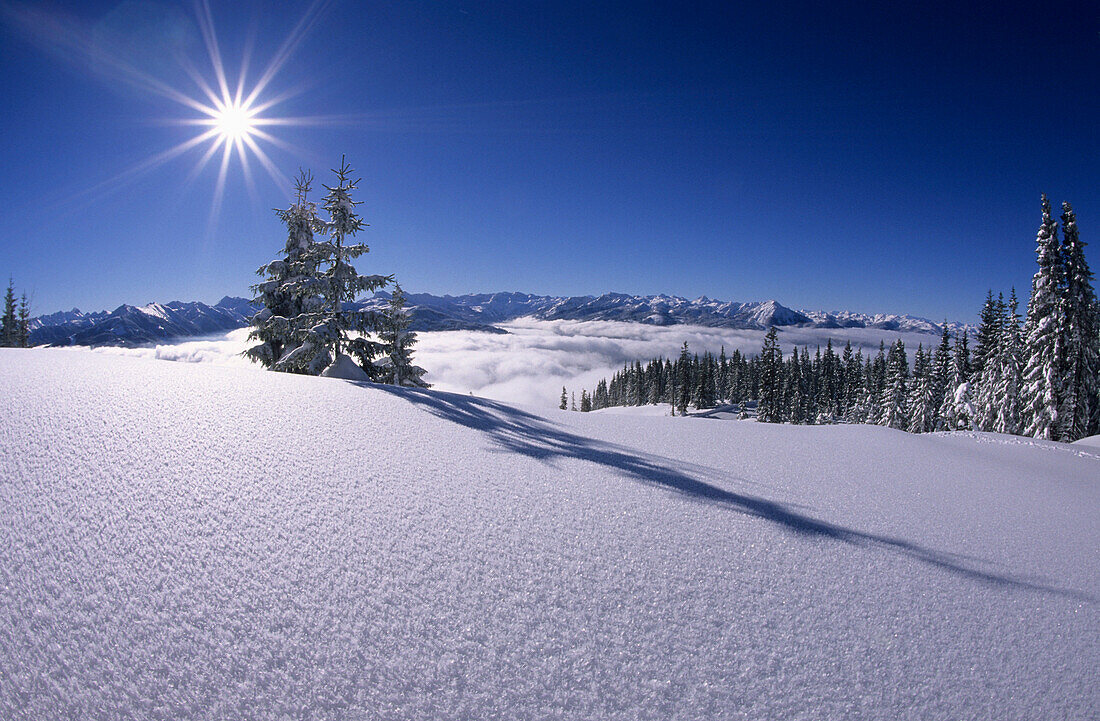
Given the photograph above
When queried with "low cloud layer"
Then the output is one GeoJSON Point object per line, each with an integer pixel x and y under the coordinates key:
{"type": "Point", "coordinates": [530, 364]}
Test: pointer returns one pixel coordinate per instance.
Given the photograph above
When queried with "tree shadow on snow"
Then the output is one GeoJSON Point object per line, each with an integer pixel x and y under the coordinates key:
{"type": "Point", "coordinates": [517, 431]}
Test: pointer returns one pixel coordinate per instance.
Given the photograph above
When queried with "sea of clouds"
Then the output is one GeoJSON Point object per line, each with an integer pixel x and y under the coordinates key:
{"type": "Point", "coordinates": [533, 361]}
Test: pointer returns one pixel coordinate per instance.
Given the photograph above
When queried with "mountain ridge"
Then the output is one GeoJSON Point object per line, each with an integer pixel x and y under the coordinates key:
{"type": "Point", "coordinates": [130, 325]}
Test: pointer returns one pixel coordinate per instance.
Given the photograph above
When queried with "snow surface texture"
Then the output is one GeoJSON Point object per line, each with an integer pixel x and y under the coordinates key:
{"type": "Point", "coordinates": [535, 358]}
{"type": "Point", "coordinates": [202, 542]}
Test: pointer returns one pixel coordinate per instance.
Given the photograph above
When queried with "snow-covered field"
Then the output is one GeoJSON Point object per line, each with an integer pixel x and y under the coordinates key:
{"type": "Point", "coordinates": [532, 361]}
{"type": "Point", "coordinates": [199, 541]}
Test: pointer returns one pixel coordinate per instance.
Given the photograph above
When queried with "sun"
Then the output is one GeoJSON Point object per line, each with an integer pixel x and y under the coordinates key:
{"type": "Point", "coordinates": [234, 122]}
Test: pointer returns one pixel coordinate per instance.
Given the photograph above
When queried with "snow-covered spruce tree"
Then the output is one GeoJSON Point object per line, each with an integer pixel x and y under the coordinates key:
{"type": "Point", "coordinates": [959, 413]}
{"type": "Point", "coordinates": [853, 384]}
{"type": "Point", "coordinates": [564, 400]}
{"type": "Point", "coordinates": [922, 410]}
{"type": "Point", "coordinates": [396, 366]}
{"type": "Point", "coordinates": [9, 323]}
{"type": "Point", "coordinates": [1081, 375]}
{"type": "Point", "coordinates": [1044, 337]}
{"type": "Point", "coordinates": [942, 374]}
{"type": "Point", "coordinates": [22, 322]}
{"type": "Point", "coordinates": [964, 369]}
{"type": "Point", "coordinates": [1006, 397]}
{"type": "Point", "coordinates": [986, 338]}
{"type": "Point", "coordinates": [987, 358]}
{"type": "Point", "coordinates": [770, 408]}
{"type": "Point", "coordinates": [329, 326]}
{"type": "Point", "coordinates": [877, 388]}
{"type": "Point", "coordinates": [683, 381]}
{"type": "Point", "coordinates": [792, 389]}
{"type": "Point", "coordinates": [894, 413]}
{"type": "Point", "coordinates": [599, 398]}
{"type": "Point", "coordinates": [292, 287]}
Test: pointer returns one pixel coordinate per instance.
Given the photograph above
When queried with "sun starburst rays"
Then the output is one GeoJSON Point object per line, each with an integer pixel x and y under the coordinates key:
{"type": "Point", "coordinates": [234, 112]}
{"type": "Point", "coordinates": [233, 116]}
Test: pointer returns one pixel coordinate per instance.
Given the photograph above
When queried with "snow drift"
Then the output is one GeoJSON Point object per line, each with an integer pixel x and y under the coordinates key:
{"type": "Point", "coordinates": [193, 541]}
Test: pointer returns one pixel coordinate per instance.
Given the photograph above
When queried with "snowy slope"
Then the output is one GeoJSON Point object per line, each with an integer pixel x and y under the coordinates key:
{"type": "Point", "coordinates": [193, 541]}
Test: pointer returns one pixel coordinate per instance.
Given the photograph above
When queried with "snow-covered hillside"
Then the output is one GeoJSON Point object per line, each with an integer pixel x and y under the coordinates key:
{"type": "Point", "coordinates": [194, 541]}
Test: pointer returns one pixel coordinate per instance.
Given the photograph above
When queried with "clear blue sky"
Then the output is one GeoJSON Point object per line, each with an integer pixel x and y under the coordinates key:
{"type": "Point", "coordinates": [874, 157]}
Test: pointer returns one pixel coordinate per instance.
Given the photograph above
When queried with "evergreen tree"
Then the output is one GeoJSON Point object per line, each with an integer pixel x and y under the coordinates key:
{"type": "Point", "coordinates": [922, 409]}
{"type": "Point", "coordinates": [943, 372]}
{"type": "Point", "coordinates": [989, 381]}
{"type": "Point", "coordinates": [1044, 345]}
{"type": "Point", "coordinates": [793, 400]}
{"type": "Point", "coordinates": [9, 332]}
{"type": "Point", "coordinates": [722, 384]}
{"type": "Point", "coordinates": [963, 366]}
{"type": "Point", "coordinates": [23, 324]}
{"type": "Point", "coordinates": [564, 401]}
{"type": "Point", "coordinates": [327, 337]}
{"type": "Point", "coordinates": [705, 394]}
{"type": "Point", "coordinates": [769, 408]}
{"type": "Point", "coordinates": [291, 292]}
{"type": "Point", "coordinates": [586, 402]}
{"type": "Point", "coordinates": [599, 399]}
{"type": "Point", "coordinates": [396, 366]}
{"type": "Point", "coordinates": [877, 388]}
{"type": "Point", "coordinates": [830, 387]}
{"type": "Point", "coordinates": [986, 338]}
{"type": "Point", "coordinates": [853, 384]}
{"type": "Point", "coordinates": [894, 413]}
{"type": "Point", "coordinates": [683, 381]}
{"type": "Point", "coordinates": [1081, 375]}
{"type": "Point", "coordinates": [1006, 397]}
{"type": "Point", "coordinates": [959, 414]}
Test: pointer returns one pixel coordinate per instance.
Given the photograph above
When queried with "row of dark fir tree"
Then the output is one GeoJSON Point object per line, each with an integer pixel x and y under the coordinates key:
{"type": "Point", "coordinates": [1038, 378]}
{"type": "Point", "coordinates": [308, 318]}
{"type": "Point", "coordinates": [15, 323]}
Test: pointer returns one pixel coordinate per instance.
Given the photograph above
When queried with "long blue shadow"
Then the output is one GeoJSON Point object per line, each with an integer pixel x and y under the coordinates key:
{"type": "Point", "coordinates": [517, 431]}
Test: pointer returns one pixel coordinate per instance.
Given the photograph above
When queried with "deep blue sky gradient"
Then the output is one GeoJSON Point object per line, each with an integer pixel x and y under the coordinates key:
{"type": "Point", "coordinates": [878, 157]}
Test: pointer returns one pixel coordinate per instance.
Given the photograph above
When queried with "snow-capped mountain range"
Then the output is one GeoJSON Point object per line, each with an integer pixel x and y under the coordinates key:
{"type": "Point", "coordinates": [130, 325]}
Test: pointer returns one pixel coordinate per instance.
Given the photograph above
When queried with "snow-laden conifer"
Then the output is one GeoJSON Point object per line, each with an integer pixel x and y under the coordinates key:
{"type": "Point", "coordinates": [964, 369]}
{"type": "Point", "coordinates": [683, 381]}
{"type": "Point", "coordinates": [876, 388]}
{"type": "Point", "coordinates": [853, 383]}
{"type": "Point", "coordinates": [988, 363]}
{"type": "Point", "coordinates": [920, 404]}
{"type": "Point", "coordinates": [942, 374]}
{"type": "Point", "coordinates": [893, 413]}
{"type": "Point", "coordinates": [959, 413]}
{"type": "Point", "coordinates": [22, 321]}
{"type": "Point", "coordinates": [396, 366]}
{"type": "Point", "coordinates": [769, 408]}
{"type": "Point", "coordinates": [1006, 396]}
{"type": "Point", "coordinates": [1045, 336]}
{"type": "Point", "coordinates": [1081, 329]}
{"type": "Point", "coordinates": [9, 324]}
{"type": "Point", "coordinates": [986, 337]}
{"type": "Point", "coordinates": [291, 293]}
{"type": "Point", "coordinates": [330, 326]}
